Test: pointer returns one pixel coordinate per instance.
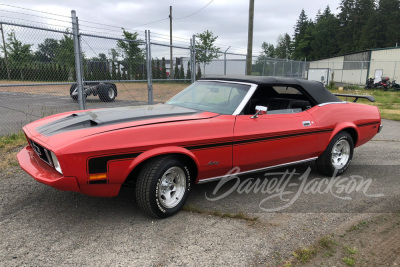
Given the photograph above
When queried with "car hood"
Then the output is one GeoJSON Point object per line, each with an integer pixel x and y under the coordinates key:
{"type": "Point", "coordinates": [100, 120]}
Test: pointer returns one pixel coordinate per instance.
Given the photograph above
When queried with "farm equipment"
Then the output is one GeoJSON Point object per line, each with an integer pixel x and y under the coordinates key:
{"type": "Point", "coordinates": [106, 91]}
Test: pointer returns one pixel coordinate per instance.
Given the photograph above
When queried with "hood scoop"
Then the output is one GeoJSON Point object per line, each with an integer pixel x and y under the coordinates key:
{"type": "Point", "coordinates": [109, 116]}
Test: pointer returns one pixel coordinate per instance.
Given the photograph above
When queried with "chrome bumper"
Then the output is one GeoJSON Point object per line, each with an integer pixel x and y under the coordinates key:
{"type": "Point", "coordinates": [380, 128]}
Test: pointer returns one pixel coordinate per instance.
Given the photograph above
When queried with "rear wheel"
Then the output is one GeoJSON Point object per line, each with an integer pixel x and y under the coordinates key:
{"type": "Point", "coordinates": [337, 156]}
{"type": "Point", "coordinates": [107, 92]}
{"type": "Point", "coordinates": [162, 186]}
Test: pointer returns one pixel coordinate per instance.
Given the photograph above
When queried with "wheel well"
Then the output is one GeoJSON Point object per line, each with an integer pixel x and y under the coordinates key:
{"type": "Point", "coordinates": [353, 134]}
{"type": "Point", "coordinates": [131, 179]}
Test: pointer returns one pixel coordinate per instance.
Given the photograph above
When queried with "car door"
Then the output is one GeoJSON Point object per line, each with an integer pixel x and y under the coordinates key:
{"type": "Point", "coordinates": [273, 139]}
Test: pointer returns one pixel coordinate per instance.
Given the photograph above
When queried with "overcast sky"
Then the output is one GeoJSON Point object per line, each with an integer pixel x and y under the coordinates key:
{"type": "Point", "coordinates": [226, 19]}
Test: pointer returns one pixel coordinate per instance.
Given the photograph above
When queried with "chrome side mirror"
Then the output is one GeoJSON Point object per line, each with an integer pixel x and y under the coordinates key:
{"type": "Point", "coordinates": [259, 110]}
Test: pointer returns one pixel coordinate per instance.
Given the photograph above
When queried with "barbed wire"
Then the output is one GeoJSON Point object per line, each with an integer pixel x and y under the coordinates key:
{"type": "Point", "coordinates": [44, 12]}
{"type": "Point", "coordinates": [26, 14]}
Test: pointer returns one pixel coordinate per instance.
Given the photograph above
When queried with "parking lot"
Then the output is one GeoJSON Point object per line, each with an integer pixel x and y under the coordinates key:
{"type": "Point", "coordinates": [45, 227]}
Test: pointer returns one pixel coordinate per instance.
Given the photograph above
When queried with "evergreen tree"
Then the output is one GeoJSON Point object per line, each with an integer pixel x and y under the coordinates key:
{"type": "Point", "coordinates": [163, 69]}
{"type": "Point", "coordinates": [188, 73]}
{"type": "Point", "coordinates": [158, 70]}
{"type": "Point", "coordinates": [284, 47]}
{"type": "Point", "coordinates": [325, 43]}
{"type": "Point", "coordinates": [176, 70]}
{"type": "Point", "coordinates": [302, 36]}
{"type": "Point", "coordinates": [181, 72]}
{"type": "Point", "coordinates": [198, 74]}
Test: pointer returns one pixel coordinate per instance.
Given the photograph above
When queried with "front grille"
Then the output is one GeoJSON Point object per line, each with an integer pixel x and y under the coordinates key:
{"type": "Point", "coordinates": [43, 153]}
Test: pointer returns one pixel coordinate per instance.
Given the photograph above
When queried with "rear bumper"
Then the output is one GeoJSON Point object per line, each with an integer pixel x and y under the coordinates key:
{"type": "Point", "coordinates": [380, 128]}
{"type": "Point", "coordinates": [43, 173]}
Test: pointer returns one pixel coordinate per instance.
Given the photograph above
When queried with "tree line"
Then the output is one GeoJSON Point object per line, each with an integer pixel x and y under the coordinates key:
{"type": "Point", "coordinates": [359, 25]}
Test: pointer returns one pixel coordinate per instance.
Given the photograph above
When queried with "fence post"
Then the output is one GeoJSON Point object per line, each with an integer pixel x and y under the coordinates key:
{"type": "Point", "coordinates": [194, 58]}
{"type": "Point", "coordinates": [78, 59]}
{"type": "Point", "coordinates": [362, 67]}
{"type": "Point", "coordinates": [225, 60]}
{"type": "Point", "coordinates": [263, 66]}
{"type": "Point", "coordinates": [5, 52]}
{"type": "Point", "coordinates": [149, 68]}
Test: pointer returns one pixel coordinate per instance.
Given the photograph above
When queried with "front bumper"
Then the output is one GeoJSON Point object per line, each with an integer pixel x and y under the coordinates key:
{"type": "Point", "coordinates": [43, 173]}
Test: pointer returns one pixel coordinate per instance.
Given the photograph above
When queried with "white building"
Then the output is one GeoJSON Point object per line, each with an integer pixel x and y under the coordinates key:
{"type": "Point", "coordinates": [356, 68]}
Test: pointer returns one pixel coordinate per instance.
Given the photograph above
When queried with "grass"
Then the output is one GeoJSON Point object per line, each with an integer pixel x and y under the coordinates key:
{"type": "Point", "coordinates": [358, 226]}
{"type": "Point", "coordinates": [349, 261]}
{"type": "Point", "coordinates": [388, 102]}
{"type": "Point", "coordinates": [8, 144]}
{"type": "Point", "coordinates": [350, 250]}
{"type": "Point", "coordinates": [240, 215]}
{"type": "Point", "coordinates": [304, 255]}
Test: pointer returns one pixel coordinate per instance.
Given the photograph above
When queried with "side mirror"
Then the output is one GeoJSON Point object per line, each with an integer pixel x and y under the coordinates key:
{"type": "Point", "coordinates": [259, 110]}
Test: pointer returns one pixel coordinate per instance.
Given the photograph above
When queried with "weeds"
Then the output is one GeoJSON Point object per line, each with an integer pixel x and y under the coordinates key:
{"type": "Point", "coordinates": [240, 215]}
{"type": "Point", "coordinates": [8, 157]}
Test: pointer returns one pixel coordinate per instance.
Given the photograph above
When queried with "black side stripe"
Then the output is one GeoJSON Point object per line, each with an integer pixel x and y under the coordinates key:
{"type": "Point", "coordinates": [99, 165]}
{"type": "Point", "coordinates": [277, 137]}
{"type": "Point", "coordinates": [367, 124]}
{"type": "Point", "coordinates": [256, 140]}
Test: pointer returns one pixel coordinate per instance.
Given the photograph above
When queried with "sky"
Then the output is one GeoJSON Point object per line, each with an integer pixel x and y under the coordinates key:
{"type": "Point", "coordinates": [226, 19]}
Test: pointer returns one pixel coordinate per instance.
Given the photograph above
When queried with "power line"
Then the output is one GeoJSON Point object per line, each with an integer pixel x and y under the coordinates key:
{"type": "Point", "coordinates": [196, 11]}
{"type": "Point", "coordinates": [36, 10]}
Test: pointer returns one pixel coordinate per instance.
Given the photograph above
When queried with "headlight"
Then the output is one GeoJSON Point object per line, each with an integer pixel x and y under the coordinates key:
{"type": "Point", "coordinates": [55, 162]}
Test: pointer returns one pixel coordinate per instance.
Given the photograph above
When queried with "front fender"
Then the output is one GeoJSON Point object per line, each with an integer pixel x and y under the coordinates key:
{"type": "Point", "coordinates": [157, 152]}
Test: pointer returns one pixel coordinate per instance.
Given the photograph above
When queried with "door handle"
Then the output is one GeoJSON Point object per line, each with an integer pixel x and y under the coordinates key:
{"type": "Point", "coordinates": [306, 123]}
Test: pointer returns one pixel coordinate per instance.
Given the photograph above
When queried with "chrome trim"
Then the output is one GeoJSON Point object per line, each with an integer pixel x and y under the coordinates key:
{"type": "Point", "coordinates": [207, 180]}
{"type": "Point", "coordinates": [246, 98]}
{"type": "Point", "coordinates": [380, 128]}
{"type": "Point", "coordinates": [328, 103]}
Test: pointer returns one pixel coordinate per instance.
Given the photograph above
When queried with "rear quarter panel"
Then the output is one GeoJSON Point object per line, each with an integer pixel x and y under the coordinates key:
{"type": "Point", "coordinates": [363, 119]}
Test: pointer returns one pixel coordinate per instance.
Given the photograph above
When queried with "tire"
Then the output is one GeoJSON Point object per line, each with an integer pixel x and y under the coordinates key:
{"type": "Point", "coordinates": [107, 92]}
{"type": "Point", "coordinates": [73, 92]}
{"type": "Point", "coordinates": [340, 149]}
{"type": "Point", "coordinates": [155, 186]}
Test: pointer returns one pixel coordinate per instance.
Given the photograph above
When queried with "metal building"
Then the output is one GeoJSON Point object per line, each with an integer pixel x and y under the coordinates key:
{"type": "Point", "coordinates": [356, 68]}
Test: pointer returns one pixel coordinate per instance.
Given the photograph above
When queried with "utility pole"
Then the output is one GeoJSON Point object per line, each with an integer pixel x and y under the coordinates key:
{"type": "Point", "coordinates": [250, 39]}
{"type": "Point", "coordinates": [5, 52]}
{"type": "Point", "coordinates": [171, 65]}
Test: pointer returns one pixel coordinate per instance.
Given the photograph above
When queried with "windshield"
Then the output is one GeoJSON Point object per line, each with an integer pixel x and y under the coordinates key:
{"type": "Point", "coordinates": [217, 97]}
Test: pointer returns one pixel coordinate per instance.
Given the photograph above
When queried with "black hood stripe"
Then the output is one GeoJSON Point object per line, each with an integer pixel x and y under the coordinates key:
{"type": "Point", "coordinates": [110, 116]}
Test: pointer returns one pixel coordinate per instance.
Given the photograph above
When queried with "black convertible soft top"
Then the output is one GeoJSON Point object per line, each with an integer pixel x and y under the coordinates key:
{"type": "Point", "coordinates": [315, 89]}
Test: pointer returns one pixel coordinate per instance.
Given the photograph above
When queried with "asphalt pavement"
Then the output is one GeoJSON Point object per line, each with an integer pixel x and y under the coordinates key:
{"type": "Point", "coordinates": [40, 226]}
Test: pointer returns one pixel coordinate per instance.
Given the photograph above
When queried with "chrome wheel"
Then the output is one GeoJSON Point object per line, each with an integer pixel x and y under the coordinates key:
{"type": "Point", "coordinates": [111, 92]}
{"type": "Point", "coordinates": [340, 153]}
{"type": "Point", "coordinates": [172, 187]}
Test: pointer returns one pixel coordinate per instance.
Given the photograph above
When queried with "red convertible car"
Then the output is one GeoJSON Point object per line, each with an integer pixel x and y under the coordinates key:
{"type": "Point", "coordinates": [217, 123]}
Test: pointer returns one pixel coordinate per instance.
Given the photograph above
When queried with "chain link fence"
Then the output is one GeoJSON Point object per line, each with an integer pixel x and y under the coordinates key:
{"type": "Point", "coordinates": [44, 71]}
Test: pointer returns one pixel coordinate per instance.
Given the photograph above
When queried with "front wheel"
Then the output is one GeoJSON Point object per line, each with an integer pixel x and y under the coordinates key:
{"type": "Point", "coordinates": [337, 156]}
{"type": "Point", "coordinates": [162, 186]}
